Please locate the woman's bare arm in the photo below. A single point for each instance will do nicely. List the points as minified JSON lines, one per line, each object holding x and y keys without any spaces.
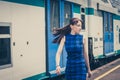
{"x":58,"y":54}
{"x":86,"y":59}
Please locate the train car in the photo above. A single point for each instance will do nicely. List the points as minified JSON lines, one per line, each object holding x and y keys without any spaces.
{"x":22,"y":39}
{"x":103,"y":32}
{"x":26,"y":34}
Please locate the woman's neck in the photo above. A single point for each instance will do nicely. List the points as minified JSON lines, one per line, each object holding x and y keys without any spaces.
{"x":72,"y":32}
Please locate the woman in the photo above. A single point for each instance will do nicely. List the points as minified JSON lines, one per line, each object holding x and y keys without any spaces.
{"x":77,"y":59}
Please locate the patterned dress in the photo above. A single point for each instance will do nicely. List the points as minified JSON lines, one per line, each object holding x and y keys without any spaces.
{"x":76,"y":67}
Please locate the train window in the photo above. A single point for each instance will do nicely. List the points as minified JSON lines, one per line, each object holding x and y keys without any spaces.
{"x":82,"y":10}
{"x":4,"y":30}
{"x":5,"y":57}
{"x":5,"y":49}
{"x":67,"y":13}
{"x":83,"y":19}
{"x":54,"y":14}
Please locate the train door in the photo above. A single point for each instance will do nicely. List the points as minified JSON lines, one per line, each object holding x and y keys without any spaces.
{"x":58,"y":13}
{"x":108,"y":32}
{"x":52,"y":21}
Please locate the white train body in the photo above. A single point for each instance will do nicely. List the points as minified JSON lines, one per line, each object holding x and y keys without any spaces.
{"x":27,"y":35}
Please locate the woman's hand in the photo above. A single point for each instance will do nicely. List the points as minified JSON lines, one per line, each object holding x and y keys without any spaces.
{"x":58,"y":70}
{"x":89,"y":73}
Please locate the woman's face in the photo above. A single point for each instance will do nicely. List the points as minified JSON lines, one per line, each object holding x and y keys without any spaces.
{"x":77,"y":27}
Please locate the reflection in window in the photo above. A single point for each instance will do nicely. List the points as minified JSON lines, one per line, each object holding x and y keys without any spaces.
{"x":54,"y":14}
{"x":67,"y":13}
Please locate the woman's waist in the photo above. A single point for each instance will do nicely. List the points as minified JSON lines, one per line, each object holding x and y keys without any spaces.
{"x":75,"y":61}
{"x":74,"y":54}
{"x":75,"y":58}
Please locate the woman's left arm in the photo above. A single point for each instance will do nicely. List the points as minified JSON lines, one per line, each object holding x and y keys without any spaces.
{"x":86,"y":58}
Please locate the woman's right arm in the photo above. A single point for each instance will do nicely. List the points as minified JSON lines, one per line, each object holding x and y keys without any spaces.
{"x":59,"y":51}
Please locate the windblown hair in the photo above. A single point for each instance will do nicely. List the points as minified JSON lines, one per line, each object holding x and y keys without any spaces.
{"x":61,"y":32}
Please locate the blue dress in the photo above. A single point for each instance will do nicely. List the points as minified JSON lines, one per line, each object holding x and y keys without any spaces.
{"x":76,"y":67}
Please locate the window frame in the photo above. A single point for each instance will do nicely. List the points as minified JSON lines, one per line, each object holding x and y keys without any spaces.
{"x":6,"y":36}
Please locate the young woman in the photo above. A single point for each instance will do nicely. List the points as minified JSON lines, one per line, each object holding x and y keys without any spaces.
{"x":77,"y":59}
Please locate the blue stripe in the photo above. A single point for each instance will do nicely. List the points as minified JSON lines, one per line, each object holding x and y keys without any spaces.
{"x":37,"y":77}
{"x":89,"y":11}
{"x":39,"y":3}
{"x":117,"y":17}
{"x":76,"y":8}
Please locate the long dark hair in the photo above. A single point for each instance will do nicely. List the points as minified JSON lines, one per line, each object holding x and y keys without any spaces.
{"x":60,"y":32}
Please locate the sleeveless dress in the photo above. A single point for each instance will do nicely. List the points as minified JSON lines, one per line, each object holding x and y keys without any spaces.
{"x":75,"y":67}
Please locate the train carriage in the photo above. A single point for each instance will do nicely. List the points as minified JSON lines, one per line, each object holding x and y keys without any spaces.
{"x":27,"y":27}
